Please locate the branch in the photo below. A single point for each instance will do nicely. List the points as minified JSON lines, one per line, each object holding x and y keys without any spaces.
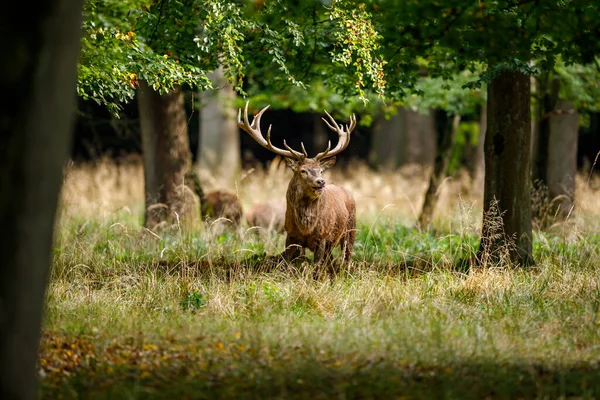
{"x":517,"y":3}
{"x":314,"y":52}
{"x":160,"y":14}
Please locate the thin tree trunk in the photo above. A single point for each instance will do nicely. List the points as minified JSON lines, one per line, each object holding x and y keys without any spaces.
{"x":549,"y":96}
{"x":219,"y":145}
{"x":41,"y":46}
{"x":478,"y":162}
{"x":167,"y":157}
{"x":507,"y":226}
{"x":446,"y":133}
{"x":562,"y":159}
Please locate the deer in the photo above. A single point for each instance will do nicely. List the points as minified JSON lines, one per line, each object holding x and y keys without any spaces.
{"x":268,"y":215}
{"x":218,"y":204}
{"x":319,"y":216}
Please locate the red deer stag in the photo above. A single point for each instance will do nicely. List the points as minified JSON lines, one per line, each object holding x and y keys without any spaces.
{"x":318,"y":216}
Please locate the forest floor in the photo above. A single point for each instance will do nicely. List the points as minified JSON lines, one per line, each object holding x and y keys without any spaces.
{"x":193,"y":313}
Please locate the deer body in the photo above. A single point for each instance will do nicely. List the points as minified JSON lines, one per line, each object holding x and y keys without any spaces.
{"x":319,"y":216}
{"x":320,"y":224}
{"x":267,"y":215}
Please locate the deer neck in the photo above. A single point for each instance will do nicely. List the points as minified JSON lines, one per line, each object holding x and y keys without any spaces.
{"x":305,"y":207}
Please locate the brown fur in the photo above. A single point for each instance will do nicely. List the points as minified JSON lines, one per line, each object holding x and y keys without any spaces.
{"x":267,"y":215}
{"x":318,"y":220}
{"x":217,"y":204}
{"x":222,"y":204}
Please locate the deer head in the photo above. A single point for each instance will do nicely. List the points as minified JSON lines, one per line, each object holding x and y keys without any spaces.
{"x":308,"y":172}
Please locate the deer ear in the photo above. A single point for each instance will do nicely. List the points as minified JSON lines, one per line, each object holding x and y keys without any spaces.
{"x":328,"y":163}
{"x":292,"y":163}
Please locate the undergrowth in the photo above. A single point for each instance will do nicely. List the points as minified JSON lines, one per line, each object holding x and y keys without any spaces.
{"x":192,"y":313}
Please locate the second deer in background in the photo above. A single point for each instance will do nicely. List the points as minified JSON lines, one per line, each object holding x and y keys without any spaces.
{"x":319,"y":216}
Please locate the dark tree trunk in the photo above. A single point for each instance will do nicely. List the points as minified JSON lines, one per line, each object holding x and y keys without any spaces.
{"x":167,"y":157}
{"x":446,"y":134}
{"x":40,"y":47}
{"x":562,"y":159}
{"x":507,"y":226}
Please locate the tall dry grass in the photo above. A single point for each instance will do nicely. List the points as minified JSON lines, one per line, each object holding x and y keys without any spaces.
{"x":99,"y":189}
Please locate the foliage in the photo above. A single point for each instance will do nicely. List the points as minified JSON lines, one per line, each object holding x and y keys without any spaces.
{"x":172,"y":42}
{"x":114,"y":56}
{"x":330,"y":55}
{"x":448,"y":94}
{"x":455,"y":35}
{"x":580,"y":84}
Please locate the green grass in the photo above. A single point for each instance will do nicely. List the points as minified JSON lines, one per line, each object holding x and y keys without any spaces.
{"x":194,"y":315}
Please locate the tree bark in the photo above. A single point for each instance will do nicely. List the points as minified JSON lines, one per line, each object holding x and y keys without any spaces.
{"x":219,"y":146}
{"x":41,"y":46}
{"x":446,"y":134}
{"x":562,"y":159}
{"x":167,"y":157}
{"x":507,"y":226}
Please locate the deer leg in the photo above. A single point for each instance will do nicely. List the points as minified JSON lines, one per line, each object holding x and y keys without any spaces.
{"x":348,"y":246}
{"x":322,"y":257}
{"x":320,"y":251}
{"x":293,"y":249}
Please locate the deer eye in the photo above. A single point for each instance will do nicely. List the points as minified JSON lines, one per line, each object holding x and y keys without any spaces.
{"x":303,"y":171}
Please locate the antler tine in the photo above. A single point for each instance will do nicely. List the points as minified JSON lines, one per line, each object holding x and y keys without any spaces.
{"x":253,"y":130}
{"x":332,"y":120}
{"x":352,"y":124}
{"x":303,"y":149}
{"x":295,"y":153}
{"x":343,"y":136}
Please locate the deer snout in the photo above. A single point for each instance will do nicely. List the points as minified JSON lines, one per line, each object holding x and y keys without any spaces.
{"x":321,"y":182}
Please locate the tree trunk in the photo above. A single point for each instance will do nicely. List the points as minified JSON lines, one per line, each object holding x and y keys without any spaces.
{"x":38,"y":81}
{"x":507,"y":226}
{"x":446,"y":133}
{"x":387,"y":135}
{"x":219,"y":145}
{"x":548,"y":91}
{"x":167,"y":157}
{"x":562,"y":159}
{"x":477,"y":167}
{"x":419,"y":144}
{"x":408,"y":137}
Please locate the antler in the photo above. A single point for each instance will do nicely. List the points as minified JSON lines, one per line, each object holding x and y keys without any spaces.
{"x":254,"y":131}
{"x":344,"y":136}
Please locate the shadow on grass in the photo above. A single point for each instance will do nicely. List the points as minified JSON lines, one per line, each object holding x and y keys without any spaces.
{"x":307,"y":378}
{"x":263,"y":263}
